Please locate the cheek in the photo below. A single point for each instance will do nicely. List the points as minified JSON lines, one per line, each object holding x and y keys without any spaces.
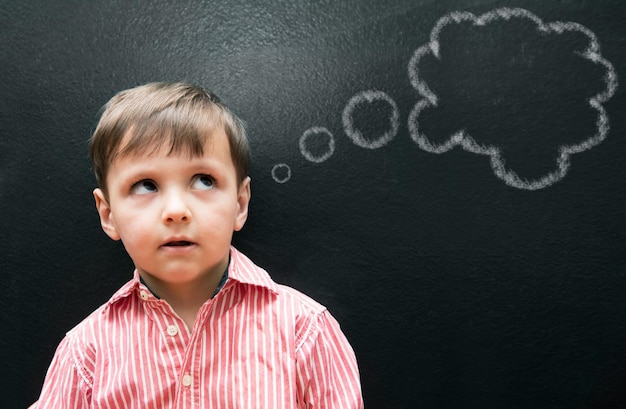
{"x":132,"y":229}
{"x":215,"y":220}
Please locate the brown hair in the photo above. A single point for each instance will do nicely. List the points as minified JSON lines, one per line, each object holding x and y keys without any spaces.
{"x":178,"y":114}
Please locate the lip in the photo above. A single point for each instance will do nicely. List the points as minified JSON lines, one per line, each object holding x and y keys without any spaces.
{"x":178,"y":245}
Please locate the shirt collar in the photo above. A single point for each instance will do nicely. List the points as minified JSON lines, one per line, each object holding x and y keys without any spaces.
{"x":240,"y":269}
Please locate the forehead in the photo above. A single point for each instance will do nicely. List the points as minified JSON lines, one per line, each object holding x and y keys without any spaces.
{"x":142,"y":140}
{"x":213,"y":148}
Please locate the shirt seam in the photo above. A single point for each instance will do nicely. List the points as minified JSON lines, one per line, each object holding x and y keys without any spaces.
{"x":81,"y":369}
{"x":310,"y":331}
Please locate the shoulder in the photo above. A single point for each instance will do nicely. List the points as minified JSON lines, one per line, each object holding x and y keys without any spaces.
{"x":300,"y":301}
{"x":89,"y":332}
{"x":305,"y":313}
{"x":310,"y":317}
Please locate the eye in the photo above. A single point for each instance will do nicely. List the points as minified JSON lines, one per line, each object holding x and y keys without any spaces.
{"x":202,"y":182}
{"x":143,"y":187}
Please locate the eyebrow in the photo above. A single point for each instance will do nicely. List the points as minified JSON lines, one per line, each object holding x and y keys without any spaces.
{"x":194,"y":165}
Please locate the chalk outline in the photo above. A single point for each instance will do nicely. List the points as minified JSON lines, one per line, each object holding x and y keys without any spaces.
{"x":463,"y":139}
{"x":310,"y":132}
{"x":370,"y":96}
{"x":281,"y":166}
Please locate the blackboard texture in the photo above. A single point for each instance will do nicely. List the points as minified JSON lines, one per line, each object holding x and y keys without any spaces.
{"x":448,"y":177}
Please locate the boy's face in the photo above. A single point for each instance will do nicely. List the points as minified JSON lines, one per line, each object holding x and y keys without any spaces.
{"x":175,"y":215}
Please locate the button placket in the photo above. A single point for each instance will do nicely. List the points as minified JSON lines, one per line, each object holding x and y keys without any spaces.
{"x":144,"y":295}
{"x":172,"y":330}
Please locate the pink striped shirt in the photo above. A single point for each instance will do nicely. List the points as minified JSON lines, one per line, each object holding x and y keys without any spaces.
{"x":256,"y":344}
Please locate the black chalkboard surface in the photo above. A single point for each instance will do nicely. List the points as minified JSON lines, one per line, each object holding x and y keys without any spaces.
{"x":447,"y":177}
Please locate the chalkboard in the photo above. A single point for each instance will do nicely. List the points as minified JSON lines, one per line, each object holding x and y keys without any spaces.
{"x":447,"y":177}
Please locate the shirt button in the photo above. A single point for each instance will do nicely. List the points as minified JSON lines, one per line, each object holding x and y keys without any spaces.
{"x":187,"y":379}
{"x":172,"y":330}
{"x":144,"y":295}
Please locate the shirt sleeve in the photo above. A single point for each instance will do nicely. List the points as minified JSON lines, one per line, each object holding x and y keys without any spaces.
{"x":67,"y":384}
{"x":327,"y":371}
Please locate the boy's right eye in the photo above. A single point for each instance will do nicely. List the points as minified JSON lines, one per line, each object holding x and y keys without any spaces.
{"x":143,"y":187}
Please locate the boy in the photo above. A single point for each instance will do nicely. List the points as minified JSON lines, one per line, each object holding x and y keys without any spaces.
{"x":199,"y":325}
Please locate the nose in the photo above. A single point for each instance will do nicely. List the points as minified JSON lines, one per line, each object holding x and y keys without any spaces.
{"x":175,"y":208}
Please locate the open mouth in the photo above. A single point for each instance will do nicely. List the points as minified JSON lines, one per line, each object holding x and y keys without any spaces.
{"x":181,"y":243}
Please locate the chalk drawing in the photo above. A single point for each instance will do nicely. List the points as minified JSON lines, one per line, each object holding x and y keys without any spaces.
{"x":468,"y":142}
{"x":310,"y":141}
{"x":370,"y":97}
{"x":281,"y":173}
{"x":310,"y":138}
{"x":306,"y":146}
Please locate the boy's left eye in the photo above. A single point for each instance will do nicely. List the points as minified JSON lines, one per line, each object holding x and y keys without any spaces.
{"x":202,"y":182}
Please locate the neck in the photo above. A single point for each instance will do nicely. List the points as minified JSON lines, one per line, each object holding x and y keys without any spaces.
{"x":185,"y":298}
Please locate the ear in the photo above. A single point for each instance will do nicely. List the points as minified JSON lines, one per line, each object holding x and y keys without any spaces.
{"x":243,"y":199}
{"x":106,"y":216}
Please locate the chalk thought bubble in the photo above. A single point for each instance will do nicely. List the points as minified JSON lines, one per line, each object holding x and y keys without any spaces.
{"x":317,"y":144}
{"x":281,"y":173}
{"x":481,"y":78}
{"x":364,"y":100}
{"x":464,"y":46}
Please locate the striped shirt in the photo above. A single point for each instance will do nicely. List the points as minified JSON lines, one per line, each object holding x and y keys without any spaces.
{"x":256,"y":344}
